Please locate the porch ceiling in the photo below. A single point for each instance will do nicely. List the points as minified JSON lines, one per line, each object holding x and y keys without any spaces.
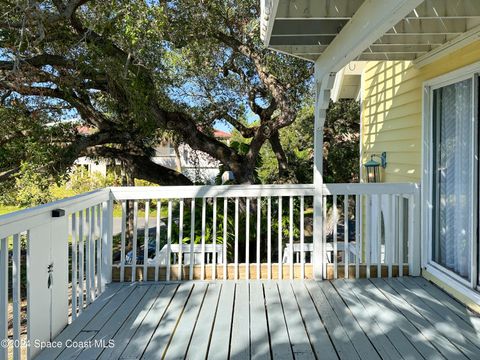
{"x":305,"y":28}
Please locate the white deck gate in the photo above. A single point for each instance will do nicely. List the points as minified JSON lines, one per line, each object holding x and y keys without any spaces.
{"x":73,"y":247}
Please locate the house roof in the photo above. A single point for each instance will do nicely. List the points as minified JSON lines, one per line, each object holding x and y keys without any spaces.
{"x":306,"y":28}
{"x":219,"y":134}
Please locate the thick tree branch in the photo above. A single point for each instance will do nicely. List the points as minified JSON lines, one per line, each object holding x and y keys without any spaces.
{"x":141,"y":166}
{"x":279,"y":154}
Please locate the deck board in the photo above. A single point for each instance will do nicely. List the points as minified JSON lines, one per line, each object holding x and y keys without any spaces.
{"x":280,"y":343}
{"x":130,"y":326}
{"x":113,"y":325}
{"x":301,"y":347}
{"x":417,"y":339}
{"x":384,"y":346}
{"x":358,"y":338}
{"x":140,"y":339}
{"x":316,"y":331}
{"x":166,"y":327}
{"x":443,"y":344}
{"x":203,"y":329}
{"x":220,"y":340}
{"x":343,"y":319}
{"x":442,"y":323}
{"x":240,"y":338}
{"x":259,"y":338}
{"x":338,"y":334}
{"x":181,"y":338}
{"x":387,"y":325}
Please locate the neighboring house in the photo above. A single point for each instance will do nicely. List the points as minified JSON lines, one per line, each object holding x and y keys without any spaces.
{"x":196,"y":165}
{"x":414,"y":65}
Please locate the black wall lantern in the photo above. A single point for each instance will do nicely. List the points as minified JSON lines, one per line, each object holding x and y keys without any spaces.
{"x":373,"y":167}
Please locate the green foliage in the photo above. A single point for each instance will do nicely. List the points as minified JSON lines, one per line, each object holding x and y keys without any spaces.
{"x":81,"y":181}
{"x":342,"y":142}
{"x":341,"y":146}
{"x":30,"y":189}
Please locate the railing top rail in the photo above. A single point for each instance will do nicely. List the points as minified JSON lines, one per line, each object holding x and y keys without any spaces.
{"x":370,"y":189}
{"x":179,"y":192}
{"x":232,"y":191}
{"x":24,"y":220}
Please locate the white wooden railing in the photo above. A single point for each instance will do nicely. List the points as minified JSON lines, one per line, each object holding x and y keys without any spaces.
{"x":64,"y":266}
{"x":72,"y":248}
{"x":369,"y":230}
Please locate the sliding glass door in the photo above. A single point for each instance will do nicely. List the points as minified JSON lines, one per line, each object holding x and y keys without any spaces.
{"x":454,"y":177}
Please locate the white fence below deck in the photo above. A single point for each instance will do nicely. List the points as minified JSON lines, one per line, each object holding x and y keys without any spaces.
{"x":56,"y":259}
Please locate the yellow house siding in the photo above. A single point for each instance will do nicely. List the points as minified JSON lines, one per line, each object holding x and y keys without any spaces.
{"x":392,"y":106}
{"x":392,"y":110}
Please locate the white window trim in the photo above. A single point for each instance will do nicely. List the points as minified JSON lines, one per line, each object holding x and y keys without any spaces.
{"x":448,"y":277}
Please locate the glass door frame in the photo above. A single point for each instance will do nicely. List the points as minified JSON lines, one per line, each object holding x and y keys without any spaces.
{"x":428,"y":201}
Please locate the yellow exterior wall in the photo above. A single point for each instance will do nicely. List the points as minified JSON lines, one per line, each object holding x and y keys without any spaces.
{"x":392,"y":105}
{"x":392,"y":110}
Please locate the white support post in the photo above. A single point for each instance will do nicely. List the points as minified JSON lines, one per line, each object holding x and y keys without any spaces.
{"x":107,"y":243}
{"x":324,"y":85}
{"x":414,"y":238}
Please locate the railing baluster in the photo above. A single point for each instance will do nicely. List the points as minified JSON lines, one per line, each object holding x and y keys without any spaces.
{"x":91,"y":241}
{"x":134,"y":245}
{"x":346,"y":243}
{"x":259,"y":228}
{"x":214,"y":240}
{"x":368,"y":233}
{"x":280,"y":239}
{"x":74,"y":266}
{"x":236,"y":239}
{"x":335,"y":240}
{"x":123,"y":241}
{"x":269,"y":238}
{"x":157,"y":238}
{"x":204,"y":223}
{"x":99,"y":252}
{"x":169,"y":239}
{"x":290,"y":233}
{"x":106,"y":243}
{"x":324,"y":236}
{"x":247,"y":241}
{"x":16,"y":303}
{"x":192,"y":239}
{"x":401,"y":236}
{"x":88,"y":258}
{"x":180,"y":240}
{"x":391,"y":234}
{"x":146,"y":240}
{"x":225,"y":224}
{"x":302,"y":237}
{"x":4,"y":296}
{"x":81,"y":261}
{"x":379,"y":236}
{"x":358,"y":241}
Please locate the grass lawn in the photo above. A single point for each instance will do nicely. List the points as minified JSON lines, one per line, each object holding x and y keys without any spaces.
{"x":8,"y":209}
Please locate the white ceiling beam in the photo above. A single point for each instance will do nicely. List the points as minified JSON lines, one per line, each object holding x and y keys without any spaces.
{"x":345,"y":9}
{"x":374,"y":48}
{"x":372,"y":20}
{"x":317,"y":8}
{"x":331,"y":27}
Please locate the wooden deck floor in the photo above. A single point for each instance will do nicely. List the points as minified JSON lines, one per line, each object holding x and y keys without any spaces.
{"x":404,"y":318}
